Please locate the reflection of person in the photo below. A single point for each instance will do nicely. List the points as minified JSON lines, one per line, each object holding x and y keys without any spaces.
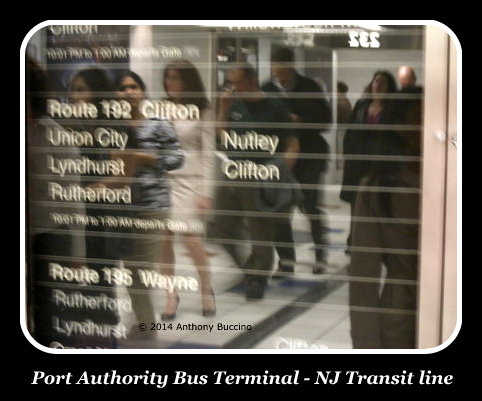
{"x":91,"y":85}
{"x":382,"y":311}
{"x":343,"y":106}
{"x":191,"y":184}
{"x":48,"y":241}
{"x":293,"y":88}
{"x":371,"y":110}
{"x":253,"y":120}
{"x":343,"y":113}
{"x":158,"y":152}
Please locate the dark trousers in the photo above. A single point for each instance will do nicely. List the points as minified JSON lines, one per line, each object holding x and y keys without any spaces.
{"x":306,"y":172}
{"x":44,"y":313}
{"x":383,"y":309}
{"x":260,"y":230}
{"x":40,"y":306}
{"x":285,"y":242}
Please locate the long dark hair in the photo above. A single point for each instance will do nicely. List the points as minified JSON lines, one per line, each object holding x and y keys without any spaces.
{"x":98,"y":82}
{"x":391,"y":84}
{"x":128,"y":73}
{"x":194,"y":92}
{"x":96,"y":79}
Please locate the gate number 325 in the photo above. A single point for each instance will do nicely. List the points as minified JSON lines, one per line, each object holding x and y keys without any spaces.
{"x":364,"y":39}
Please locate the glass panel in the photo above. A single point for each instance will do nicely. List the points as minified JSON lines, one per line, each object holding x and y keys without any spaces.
{"x":224,"y":187}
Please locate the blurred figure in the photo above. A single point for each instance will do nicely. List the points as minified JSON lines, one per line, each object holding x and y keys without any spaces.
{"x":159,"y":152}
{"x":383,"y":310}
{"x":92,"y":85}
{"x":410,"y":112}
{"x":286,"y":83}
{"x":44,"y":236}
{"x":406,"y":77}
{"x":374,"y":108}
{"x":89,"y":85}
{"x":343,"y":106}
{"x":343,"y":114}
{"x":244,"y":111}
{"x":191,"y":187}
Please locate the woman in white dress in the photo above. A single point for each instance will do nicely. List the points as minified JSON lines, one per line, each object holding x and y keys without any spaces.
{"x":191,"y":190}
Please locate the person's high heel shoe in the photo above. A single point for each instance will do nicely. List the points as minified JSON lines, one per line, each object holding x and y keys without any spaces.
{"x":210,"y":311}
{"x":171,"y":315}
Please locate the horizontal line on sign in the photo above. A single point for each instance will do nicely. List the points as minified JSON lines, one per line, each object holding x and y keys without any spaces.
{"x":224,"y":241}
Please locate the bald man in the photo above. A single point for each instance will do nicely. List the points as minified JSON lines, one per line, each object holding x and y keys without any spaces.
{"x":406,"y":77}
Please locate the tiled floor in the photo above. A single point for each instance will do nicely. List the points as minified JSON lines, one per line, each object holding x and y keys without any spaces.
{"x":305,"y":311}
{"x":325,"y":325}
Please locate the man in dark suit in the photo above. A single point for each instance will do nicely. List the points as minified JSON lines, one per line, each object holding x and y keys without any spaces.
{"x":307,"y":106}
{"x":245,"y":113}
